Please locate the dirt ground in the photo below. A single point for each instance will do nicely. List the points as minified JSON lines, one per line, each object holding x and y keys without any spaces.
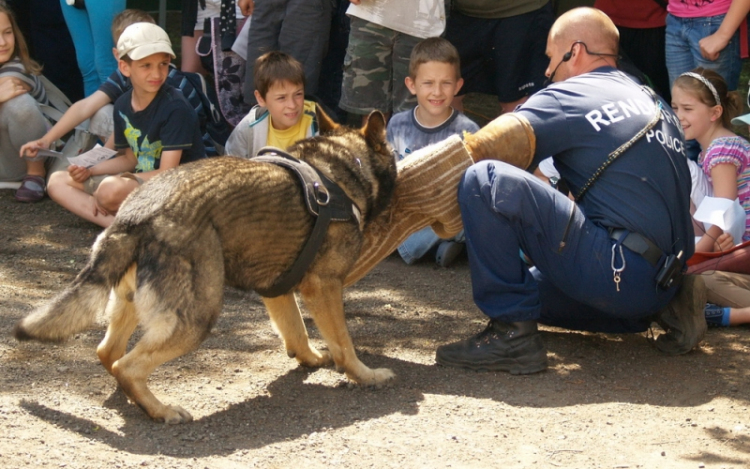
{"x":607,"y":401}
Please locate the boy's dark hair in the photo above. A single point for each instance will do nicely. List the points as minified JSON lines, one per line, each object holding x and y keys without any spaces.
{"x":274,"y":67}
{"x":434,"y":49}
{"x":127,"y":17}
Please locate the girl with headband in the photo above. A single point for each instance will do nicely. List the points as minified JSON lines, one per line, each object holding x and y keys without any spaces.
{"x":705,"y":109}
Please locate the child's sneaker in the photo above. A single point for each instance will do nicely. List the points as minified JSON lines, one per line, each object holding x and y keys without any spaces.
{"x":716,"y":315}
{"x":447,"y":253}
{"x":31,"y":190}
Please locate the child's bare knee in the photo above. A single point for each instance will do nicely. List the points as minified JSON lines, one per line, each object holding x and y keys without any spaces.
{"x":58,"y":182}
{"x":112,"y":191}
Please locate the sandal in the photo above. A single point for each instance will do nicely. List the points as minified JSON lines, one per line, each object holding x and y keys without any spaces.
{"x":31,"y":190}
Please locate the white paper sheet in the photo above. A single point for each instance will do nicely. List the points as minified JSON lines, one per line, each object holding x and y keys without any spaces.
{"x":92,"y":157}
{"x":724,"y":213}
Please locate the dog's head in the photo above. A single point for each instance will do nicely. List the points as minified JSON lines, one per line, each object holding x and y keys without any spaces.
{"x":360,"y":161}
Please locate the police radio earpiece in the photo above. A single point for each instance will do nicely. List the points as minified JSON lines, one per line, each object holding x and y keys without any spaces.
{"x":568,"y":55}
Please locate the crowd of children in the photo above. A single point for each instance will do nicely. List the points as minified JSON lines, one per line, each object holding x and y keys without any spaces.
{"x":152,"y":114}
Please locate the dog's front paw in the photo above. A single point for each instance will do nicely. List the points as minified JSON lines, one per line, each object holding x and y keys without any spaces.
{"x":172,"y":415}
{"x":376,"y":377}
{"x":314,"y":358}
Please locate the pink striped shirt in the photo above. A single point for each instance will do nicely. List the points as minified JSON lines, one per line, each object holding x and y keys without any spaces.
{"x":736,"y":151}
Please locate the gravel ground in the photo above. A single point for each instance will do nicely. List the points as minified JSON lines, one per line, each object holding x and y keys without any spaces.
{"x":607,"y":401}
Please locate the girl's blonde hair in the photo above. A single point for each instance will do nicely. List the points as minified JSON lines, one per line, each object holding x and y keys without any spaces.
{"x":730,"y":101}
{"x":20,"y":50}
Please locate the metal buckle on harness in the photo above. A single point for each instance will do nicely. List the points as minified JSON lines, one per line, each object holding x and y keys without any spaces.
{"x":321,"y":190}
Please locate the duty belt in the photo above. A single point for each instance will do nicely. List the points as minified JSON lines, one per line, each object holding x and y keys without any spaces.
{"x":638,"y":244}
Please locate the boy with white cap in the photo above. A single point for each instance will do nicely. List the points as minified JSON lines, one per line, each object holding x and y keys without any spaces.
{"x":155,"y":129}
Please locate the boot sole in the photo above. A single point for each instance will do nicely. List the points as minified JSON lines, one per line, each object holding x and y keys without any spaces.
{"x":515,"y":366}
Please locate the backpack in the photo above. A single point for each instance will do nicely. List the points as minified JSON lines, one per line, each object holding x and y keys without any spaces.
{"x":202,"y":99}
{"x":228,"y":69}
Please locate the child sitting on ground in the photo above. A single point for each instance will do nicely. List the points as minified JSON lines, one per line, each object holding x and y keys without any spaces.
{"x":155,"y":129}
{"x":96,"y":106}
{"x":705,"y":109}
{"x":21,"y":92}
{"x":282,"y":115}
{"x":435,"y":78}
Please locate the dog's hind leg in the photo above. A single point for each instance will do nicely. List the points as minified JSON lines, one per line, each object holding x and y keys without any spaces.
{"x":287,"y":321}
{"x":324,"y":300}
{"x":132,"y":372}
{"x":177,"y":300}
{"x":174,"y":323}
{"x":122,"y":323}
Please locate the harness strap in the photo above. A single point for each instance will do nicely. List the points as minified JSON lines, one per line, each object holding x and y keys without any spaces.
{"x":324,"y":199}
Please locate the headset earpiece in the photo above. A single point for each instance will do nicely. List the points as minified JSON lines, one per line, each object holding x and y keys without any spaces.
{"x":567,"y":56}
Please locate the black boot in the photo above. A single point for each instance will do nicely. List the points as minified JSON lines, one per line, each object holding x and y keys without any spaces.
{"x":516,"y":347}
{"x":683,"y":319}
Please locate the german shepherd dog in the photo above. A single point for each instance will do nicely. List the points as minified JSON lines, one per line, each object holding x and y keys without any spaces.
{"x":183,"y":235}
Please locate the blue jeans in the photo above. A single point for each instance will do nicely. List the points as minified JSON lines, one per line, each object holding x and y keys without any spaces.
{"x":91,"y":30}
{"x":505,"y":209}
{"x":683,"y":52}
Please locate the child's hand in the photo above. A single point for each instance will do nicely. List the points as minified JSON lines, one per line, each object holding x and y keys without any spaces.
{"x":724,"y":242}
{"x":78,"y":173}
{"x":99,"y":210}
{"x":10,"y":87}
{"x":246,"y":6}
{"x":30,"y":149}
{"x":712,"y":45}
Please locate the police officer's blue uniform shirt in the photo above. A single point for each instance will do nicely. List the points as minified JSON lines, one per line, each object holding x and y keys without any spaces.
{"x":647,"y":189}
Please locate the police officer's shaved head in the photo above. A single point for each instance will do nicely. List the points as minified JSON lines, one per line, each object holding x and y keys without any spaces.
{"x":588,"y":25}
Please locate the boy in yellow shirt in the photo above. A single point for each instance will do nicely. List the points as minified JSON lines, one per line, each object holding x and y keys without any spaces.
{"x":282,"y":115}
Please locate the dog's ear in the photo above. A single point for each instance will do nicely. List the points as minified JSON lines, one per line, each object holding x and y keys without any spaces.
{"x":325,"y":123}
{"x":374,"y":130}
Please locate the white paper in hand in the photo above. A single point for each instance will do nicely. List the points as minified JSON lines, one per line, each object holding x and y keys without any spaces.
{"x":92,"y":157}
{"x":724,"y":213}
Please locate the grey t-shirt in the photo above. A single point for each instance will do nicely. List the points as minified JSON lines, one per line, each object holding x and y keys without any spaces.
{"x":406,"y":134}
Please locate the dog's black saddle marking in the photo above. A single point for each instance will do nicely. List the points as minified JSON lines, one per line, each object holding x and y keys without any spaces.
{"x":324,"y":199}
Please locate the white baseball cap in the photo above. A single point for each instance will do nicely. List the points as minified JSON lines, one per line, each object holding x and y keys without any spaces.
{"x":140,"y":40}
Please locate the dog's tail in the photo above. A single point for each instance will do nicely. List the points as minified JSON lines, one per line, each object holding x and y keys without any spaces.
{"x":76,"y":308}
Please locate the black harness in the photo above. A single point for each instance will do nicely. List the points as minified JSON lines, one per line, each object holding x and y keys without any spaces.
{"x":324,"y":199}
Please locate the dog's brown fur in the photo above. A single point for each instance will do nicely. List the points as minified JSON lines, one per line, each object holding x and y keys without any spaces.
{"x":185,"y":234}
